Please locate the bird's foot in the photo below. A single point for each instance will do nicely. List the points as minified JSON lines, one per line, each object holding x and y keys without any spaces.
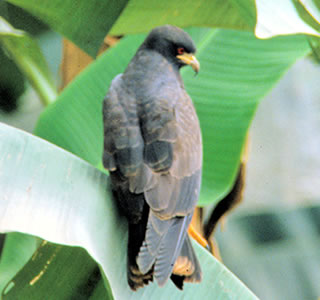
{"x":136,"y":279}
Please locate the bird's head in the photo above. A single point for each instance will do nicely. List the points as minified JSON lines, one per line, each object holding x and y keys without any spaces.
{"x":174,"y":44}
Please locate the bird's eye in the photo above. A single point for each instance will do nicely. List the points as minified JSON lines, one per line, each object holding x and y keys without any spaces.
{"x":180,"y":50}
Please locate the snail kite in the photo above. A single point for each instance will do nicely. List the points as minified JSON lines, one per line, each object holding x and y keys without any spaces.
{"x":153,"y":150}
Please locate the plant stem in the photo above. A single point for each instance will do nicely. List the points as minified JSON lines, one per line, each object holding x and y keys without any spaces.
{"x":40,"y":82}
{"x":28,"y":57}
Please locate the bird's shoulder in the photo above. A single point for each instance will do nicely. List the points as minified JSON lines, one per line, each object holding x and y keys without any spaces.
{"x":149,"y":73}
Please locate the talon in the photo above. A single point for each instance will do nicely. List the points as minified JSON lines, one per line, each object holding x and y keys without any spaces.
{"x":136,"y":279}
{"x":134,"y":270}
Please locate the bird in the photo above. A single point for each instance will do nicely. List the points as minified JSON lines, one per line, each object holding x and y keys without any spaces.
{"x":153,"y":151}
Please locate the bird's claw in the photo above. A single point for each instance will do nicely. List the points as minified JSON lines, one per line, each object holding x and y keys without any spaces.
{"x":136,"y":279}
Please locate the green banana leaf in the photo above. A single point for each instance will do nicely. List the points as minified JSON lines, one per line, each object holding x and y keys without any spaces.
{"x":86,"y":23}
{"x":237,"y":70}
{"x":28,"y":56}
{"x":141,"y":16}
{"x":287,"y":17}
{"x":52,"y":194}
{"x":57,"y":272}
{"x":247,"y":9}
{"x":17,"y":250}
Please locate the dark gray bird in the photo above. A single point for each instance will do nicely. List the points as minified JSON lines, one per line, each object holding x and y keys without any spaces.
{"x":153,"y":150}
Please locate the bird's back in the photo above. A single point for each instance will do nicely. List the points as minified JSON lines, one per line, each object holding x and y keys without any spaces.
{"x":153,"y":149}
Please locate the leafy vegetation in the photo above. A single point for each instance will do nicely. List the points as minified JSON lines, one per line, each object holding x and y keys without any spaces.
{"x":64,"y":198}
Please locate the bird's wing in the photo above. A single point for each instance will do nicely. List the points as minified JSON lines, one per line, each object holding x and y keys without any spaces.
{"x":123,"y":143}
{"x":173,"y":198}
{"x":177,"y":190}
{"x":158,"y":149}
{"x":159,"y":130}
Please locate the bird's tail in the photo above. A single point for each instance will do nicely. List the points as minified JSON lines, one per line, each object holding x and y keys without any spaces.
{"x":186,"y":267}
{"x":168,"y":249}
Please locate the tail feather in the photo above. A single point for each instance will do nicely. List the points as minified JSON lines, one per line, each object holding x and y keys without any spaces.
{"x":193,"y":274}
{"x":187,"y":267}
{"x":155,"y":233}
{"x":162,"y":245}
{"x":170,"y":249}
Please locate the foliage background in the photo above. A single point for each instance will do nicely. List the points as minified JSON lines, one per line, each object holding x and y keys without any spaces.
{"x":237,"y":71}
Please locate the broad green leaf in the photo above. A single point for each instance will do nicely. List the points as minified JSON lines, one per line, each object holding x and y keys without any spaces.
{"x":247,"y":10}
{"x":309,"y":12}
{"x":11,"y":78}
{"x":18,"y":249}
{"x":284,"y":17}
{"x":4,"y":10}
{"x":237,"y":70}
{"x":57,"y":272}
{"x":74,"y":121}
{"x":86,"y":23}
{"x":312,"y":7}
{"x":28,"y":57}
{"x":141,"y":16}
{"x":52,"y":194}
{"x":100,"y":293}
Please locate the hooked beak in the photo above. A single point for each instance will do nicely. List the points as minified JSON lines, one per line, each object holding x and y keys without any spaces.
{"x":190,"y":59}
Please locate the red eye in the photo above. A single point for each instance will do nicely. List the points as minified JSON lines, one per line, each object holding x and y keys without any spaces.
{"x":180,"y":51}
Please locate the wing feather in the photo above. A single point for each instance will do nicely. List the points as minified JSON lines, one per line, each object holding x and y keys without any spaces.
{"x":123,"y":143}
{"x":173,"y":198}
{"x":156,"y":144}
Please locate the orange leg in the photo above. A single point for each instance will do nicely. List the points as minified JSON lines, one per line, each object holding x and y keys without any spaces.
{"x":195,"y":235}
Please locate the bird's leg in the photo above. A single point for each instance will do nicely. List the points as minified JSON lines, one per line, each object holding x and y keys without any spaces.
{"x":198,"y":237}
{"x":195,"y":229}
